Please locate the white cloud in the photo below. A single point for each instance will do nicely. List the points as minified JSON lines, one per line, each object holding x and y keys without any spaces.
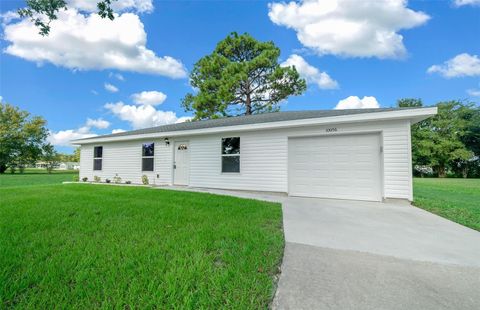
{"x":142,"y":116}
{"x":354,"y":102}
{"x":367,"y":28}
{"x":466,"y":2}
{"x":117,"y":76}
{"x":140,"y":6}
{"x":183,"y":119}
{"x":64,"y":137}
{"x":7,"y":17}
{"x":149,"y":98}
{"x":88,"y":42}
{"x":474,"y":92}
{"x":97,"y":123}
{"x":310,"y":73}
{"x":110,"y":87}
{"x":461,"y":65}
{"x":118,"y":130}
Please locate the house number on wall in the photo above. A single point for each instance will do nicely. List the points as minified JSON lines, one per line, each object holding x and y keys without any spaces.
{"x":333,"y":129}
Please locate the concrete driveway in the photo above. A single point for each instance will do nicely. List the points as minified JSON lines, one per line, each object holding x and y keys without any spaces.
{"x":365,"y":255}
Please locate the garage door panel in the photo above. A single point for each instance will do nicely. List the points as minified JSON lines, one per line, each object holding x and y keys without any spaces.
{"x":346,"y":167}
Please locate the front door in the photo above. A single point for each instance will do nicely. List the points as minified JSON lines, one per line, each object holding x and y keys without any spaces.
{"x":181,"y":164}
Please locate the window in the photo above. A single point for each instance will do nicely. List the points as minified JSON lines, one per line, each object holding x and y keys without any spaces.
{"x":97,"y":157}
{"x":148,"y":151}
{"x":231,"y":154}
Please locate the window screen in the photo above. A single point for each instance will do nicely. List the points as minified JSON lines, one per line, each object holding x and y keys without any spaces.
{"x":148,"y":151}
{"x":231,"y":154}
{"x":97,"y":157}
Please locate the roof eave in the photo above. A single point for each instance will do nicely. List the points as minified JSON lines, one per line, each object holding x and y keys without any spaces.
{"x":415,"y":115}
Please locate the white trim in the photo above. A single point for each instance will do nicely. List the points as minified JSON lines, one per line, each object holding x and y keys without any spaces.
{"x":410,"y":163}
{"x":417,"y":114}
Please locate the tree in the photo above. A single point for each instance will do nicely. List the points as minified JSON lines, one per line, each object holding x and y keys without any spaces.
{"x":43,"y":12}
{"x":241,"y":77}
{"x":438,"y":141}
{"x":50,"y":157}
{"x":76,"y":155}
{"x":21,"y":137}
{"x":410,"y":103}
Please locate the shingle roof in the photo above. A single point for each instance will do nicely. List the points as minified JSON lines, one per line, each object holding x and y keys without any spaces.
{"x":246,"y":120}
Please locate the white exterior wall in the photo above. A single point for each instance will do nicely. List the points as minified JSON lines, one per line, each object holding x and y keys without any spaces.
{"x":125,"y":158}
{"x":263,"y":158}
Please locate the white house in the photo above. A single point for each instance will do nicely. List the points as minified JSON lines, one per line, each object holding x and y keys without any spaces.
{"x":347,"y":154}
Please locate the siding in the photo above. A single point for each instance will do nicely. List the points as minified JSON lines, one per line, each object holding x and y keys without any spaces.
{"x":263,"y":158}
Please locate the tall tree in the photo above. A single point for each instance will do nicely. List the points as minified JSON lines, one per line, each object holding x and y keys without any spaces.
{"x":241,"y":77}
{"x":43,"y":12}
{"x":21,"y":137}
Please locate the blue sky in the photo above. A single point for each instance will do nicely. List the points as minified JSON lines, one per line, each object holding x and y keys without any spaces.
{"x":63,"y":78}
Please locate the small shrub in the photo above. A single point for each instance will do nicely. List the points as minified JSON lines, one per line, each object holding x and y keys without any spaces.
{"x":97,"y":179}
{"x":117,"y":179}
{"x":76,"y":178}
{"x":128,"y":182}
{"x":145,"y":180}
{"x":107,"y":181}
{"x":85,"y":179}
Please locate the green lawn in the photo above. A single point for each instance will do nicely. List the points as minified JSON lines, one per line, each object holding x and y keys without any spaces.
{"x":454,"y":199}
{"x":36,"y":177}
{"x":96,"y":246}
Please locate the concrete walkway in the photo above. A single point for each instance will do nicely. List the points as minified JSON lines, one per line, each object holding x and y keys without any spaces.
{"x":367,"y":255}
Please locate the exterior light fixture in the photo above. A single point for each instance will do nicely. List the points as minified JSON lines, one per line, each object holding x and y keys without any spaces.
{"x":167,"y":143}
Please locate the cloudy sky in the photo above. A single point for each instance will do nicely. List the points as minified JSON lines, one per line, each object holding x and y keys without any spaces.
{"x":93,"y":76}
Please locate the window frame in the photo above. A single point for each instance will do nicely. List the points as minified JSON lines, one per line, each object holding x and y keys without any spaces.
{"x":97,"y":158}
{"x":231,"y":155}
{"x":147,"y":157}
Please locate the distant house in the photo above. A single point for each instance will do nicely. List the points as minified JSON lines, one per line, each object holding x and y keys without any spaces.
{"x":69,"y":165}
{"x":362,"y":154}
{"x":60,"y":165}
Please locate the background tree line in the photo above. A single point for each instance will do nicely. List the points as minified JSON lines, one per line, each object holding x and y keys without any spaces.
{"x":449,"y":143}
{"x":23,"y":141}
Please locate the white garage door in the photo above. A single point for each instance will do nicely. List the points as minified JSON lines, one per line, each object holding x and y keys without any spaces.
{"x":343,"y":167}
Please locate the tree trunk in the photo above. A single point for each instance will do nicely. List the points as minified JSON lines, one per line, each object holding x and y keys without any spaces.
{"x":441,"y":171}
{"x":248,"y":105}
{"x":465,"y":172}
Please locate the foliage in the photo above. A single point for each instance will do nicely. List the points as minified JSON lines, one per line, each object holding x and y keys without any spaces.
{"x":43,"y":12}
{"x":145,"y":180}
{"x":97,"y":179}
{"x":51,"y":157}
{"x":455,"y":199}
{"x":22,"y":137}
{"x":72,"y":246}
{"x":128,"y":182}
{"x":448,"y":141}
{"x":117,"y":179}
{"x":84,"y":179}
{"x":75,"y":157}
{"x":241,"y":77}
{"x":76,"y":178}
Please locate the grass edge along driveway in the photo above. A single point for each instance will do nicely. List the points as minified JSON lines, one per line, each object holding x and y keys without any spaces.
{"x":455,"y":199}
{"x":80,"y":246}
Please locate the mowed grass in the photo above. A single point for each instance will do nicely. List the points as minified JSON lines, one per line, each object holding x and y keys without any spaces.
{"x":96,"y":246}
{"x":455,"y":199}
{"x":36,"y":177}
